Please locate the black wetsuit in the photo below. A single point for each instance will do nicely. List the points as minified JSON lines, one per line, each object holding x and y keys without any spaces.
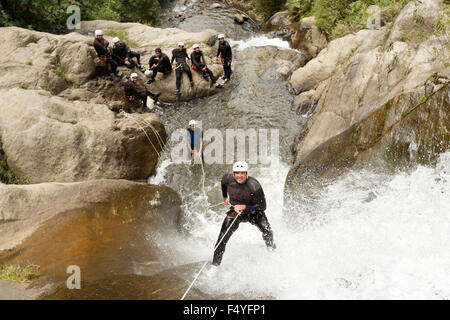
{"x":251,"y":194}
{"x":159,"y":64}
{"x":180,"y":57}
{"x":101,"y":47}
{"x":123,"y":51}
{"x":198,"y":60}
{"x":224,"y":51}
{"x":131,"y":91}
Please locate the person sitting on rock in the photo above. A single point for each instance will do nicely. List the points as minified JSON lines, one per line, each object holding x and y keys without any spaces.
{"x":159,"y":62}
{"x":226,"y":56}
{"x":101,"y":47}
{"x":132,"y":93}
{"x":123,"y":54}
{"x":179,"y":55}
{"x":199,"y":63}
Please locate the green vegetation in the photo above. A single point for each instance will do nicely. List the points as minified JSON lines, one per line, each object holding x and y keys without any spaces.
{"x":47,"y":15}
{"x":52,"y":92}
{"x":62,"y":74}
{"x":6,"y":174}
{"x":122,"y":35}
{"x":18,"y":273}
{"x":337,"y":18}
{"x":268,"y":7}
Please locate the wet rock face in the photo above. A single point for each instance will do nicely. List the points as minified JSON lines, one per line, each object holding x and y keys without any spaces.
{"x":106,"y":227}
{"x":374,"y":97}
{"x":48,"y":138}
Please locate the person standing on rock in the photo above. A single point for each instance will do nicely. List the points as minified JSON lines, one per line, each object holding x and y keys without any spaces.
{"x":246,"y":196}
{"x":123,"y":54}
{"x":194,"y":140}
{"x":101,"y":47}
{"x":226,"y":56}
{"x":132,"y":93}
{"x":179,"y":55}
{"x":199,"y":63}
{"x":159,"y":62}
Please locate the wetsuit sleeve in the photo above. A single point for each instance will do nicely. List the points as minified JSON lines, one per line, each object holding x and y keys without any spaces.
{"x":101,"y":50}
{"x":258,"y":200}
{"x":186,"y":55}
{"x":151,"y":61}
{"x":194,"y":60}
{"x":173,"y":56}
{"x":202,"y":59}
{"x":218,"y":51}
{"x":230,"y":54}
{"x":127,"y":50}
{"x":224,"y":184}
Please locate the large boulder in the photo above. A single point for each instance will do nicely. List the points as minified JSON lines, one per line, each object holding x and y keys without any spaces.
{"x":37,"y":60}
{"x":67,"y":65}
{"x":308,"y":38}
{"x":106,"y":227}
{"x":145,"y":39}
{"x":375,"y":96}
{"x":48,"y":138}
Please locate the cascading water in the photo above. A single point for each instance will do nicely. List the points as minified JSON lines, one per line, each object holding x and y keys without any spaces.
{"x":367,"y":235}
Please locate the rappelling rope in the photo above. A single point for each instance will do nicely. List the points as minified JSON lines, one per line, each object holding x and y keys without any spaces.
{"x":145,"y":132}
{"x":206,"y":262}
{"x":204,"y":176}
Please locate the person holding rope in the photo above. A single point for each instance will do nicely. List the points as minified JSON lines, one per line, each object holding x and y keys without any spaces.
{"x":248,"y":201}
{"x":179,"y":55}
{"x":132,"y":93}
{"x":194,"y":140}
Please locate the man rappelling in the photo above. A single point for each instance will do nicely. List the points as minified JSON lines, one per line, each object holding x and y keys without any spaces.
{"x":248,"y":201}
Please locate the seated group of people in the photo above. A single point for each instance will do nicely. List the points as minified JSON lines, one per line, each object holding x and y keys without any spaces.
{"x":121,"y":54}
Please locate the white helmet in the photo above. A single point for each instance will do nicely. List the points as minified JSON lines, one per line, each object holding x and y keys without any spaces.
{"x":192,"y":123}
{"x":195,"y":46}
{"x":240,"y":166}
{"x":148,"y":73}
{"x":133,"y":75}
{"x":220,"y":36}
{"x":115,"y":40}
{"x":98,"y":32}
{"x":180,"y":44}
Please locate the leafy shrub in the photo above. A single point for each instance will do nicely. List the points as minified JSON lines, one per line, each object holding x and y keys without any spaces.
{"x":269,"y":7}
{"x":300,"y":8}
{"x":328,"y":12}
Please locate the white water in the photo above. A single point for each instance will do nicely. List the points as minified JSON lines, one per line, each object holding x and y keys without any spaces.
{"x":369,"y":236}
{"x":259,"y":41}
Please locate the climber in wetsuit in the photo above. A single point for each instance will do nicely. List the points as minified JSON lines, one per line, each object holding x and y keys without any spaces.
{"x":245,"y":194}
{"x":226,"y":56}
{"x":123,"y":55}
{"x":199,"y":63}
{"x":132,"y":93}
{"x":179,"y":55}
{"x":159,"y":62}
{"x":101,"y":47}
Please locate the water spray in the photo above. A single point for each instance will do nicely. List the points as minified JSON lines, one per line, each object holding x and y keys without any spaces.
{"x":206,"y":262}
